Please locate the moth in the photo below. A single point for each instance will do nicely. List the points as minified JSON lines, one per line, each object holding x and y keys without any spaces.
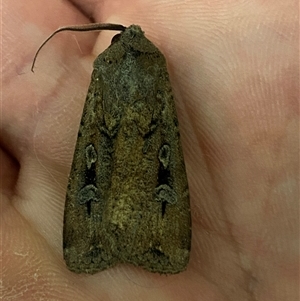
{"x":127,"y":198}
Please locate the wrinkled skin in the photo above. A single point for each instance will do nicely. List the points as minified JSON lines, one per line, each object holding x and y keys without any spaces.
{"x":234,"y":70}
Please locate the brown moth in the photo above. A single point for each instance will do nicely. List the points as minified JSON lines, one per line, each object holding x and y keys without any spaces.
{"x":127,"y":198}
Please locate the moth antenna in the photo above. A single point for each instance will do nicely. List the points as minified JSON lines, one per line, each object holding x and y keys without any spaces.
{"x":83,"y":27}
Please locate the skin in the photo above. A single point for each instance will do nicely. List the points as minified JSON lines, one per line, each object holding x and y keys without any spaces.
{"x":234,"y":71}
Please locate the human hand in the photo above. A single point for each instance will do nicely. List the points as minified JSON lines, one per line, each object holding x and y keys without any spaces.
{"x":234,"y":71}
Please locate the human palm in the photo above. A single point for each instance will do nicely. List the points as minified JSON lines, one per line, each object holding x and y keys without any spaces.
{"x":234,"y":72}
